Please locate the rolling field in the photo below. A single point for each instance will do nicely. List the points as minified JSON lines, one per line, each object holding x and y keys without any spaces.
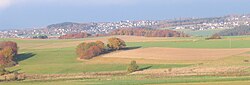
{"x":58,"y":57}
{"x":177,"y":53}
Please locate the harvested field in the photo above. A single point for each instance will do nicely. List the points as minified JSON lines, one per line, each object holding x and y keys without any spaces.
{"x":177,"y":53}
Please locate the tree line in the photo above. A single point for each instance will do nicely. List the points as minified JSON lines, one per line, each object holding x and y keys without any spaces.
{"x":92,"y":49}
{"x":75,"y":35}
{"x":240,"y":30}
{"x":148,"y":32}
{"x":130,"y":32}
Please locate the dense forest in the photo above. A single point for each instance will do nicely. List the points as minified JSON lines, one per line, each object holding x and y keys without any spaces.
{"x":148,"y":32}
{"x":240,"y":30}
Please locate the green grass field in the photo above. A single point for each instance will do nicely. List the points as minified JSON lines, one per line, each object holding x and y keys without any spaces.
{"x":36,"y":57}
{"x":141,"y":80}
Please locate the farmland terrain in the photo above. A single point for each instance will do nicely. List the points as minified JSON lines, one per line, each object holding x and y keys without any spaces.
{"x":169,"y":61}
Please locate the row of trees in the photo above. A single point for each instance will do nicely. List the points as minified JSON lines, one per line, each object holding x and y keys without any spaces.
{"x":129,"y":31}
{"x":8,"y":50}
{"x":92,"y":49}
{"x":148,"y":32}
{"x":75,"y":35}
{"x":241,"y":30}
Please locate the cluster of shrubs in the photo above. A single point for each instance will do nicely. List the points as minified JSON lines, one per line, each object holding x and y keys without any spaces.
{"x":214,"y":36}
{"x":8,"y":50}
{"x":12,"y":76}
{"x":92,"y":49}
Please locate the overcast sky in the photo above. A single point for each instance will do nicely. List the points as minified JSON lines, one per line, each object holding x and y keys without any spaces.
{"x":39,"y":13}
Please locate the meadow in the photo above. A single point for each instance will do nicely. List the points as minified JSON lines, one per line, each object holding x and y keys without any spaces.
{"x":58,"y":57}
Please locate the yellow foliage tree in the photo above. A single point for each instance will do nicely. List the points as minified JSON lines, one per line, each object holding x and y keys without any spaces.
{"x":8,"y":53}
{"x":100,"y":44}
{"x":116,"y":43}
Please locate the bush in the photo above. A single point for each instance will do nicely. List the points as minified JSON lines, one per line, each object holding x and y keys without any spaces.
{"x":215,"y":36}
{"x":132,"y":67}
{"x":10,"y":76}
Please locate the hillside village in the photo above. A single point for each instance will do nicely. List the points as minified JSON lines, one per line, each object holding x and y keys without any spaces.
{"x":56,"y":30}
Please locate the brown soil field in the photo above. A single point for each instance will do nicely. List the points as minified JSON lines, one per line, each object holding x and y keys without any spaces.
{"x":113,"y":60}
{"x":177,"y":53}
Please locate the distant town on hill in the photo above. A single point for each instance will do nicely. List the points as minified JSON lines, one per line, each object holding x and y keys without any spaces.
{"x":192,"y":24}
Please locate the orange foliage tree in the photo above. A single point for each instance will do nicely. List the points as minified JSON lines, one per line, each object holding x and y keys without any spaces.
{"x":89,"y":50}
{"x":10,"y":44}
{"x":116,"y":43}
{"x":100,"y":44}
{"x":8,"y":50}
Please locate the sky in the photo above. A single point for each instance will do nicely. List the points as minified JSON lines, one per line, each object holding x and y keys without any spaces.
{"x":16,"y":14}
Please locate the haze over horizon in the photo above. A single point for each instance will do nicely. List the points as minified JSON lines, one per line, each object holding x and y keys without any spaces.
{"x":39,"y":13}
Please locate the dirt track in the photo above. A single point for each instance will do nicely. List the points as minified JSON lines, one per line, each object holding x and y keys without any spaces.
{"x":177,"y":53}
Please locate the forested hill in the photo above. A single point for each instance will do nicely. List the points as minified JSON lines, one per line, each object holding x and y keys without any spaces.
{"x":240,"y":30}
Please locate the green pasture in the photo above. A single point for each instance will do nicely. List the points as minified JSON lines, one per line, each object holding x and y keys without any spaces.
{"x":143,"y":80}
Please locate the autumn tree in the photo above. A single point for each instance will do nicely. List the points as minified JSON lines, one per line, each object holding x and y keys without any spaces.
{"x":8,"y":53}
{"x":132,"y":67}
{"x":9,"y":44}
{"x":116,"y":43}
{"x":89,"y":50}
{"x":8,"y":50}
{"x":3,"y":60}
{"x":100,"y":44}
